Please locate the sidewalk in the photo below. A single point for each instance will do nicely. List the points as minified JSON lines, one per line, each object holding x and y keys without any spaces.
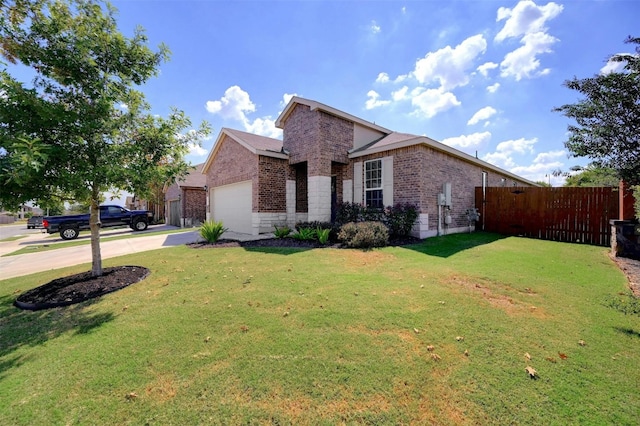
{"x":25,"y":264}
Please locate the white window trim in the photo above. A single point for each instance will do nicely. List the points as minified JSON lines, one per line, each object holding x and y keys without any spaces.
{"x":366,"y":181}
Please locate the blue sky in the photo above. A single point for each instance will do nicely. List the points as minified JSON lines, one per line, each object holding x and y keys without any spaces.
{"x":481,"y":76}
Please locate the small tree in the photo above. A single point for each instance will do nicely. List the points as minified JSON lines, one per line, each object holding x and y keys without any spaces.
{"x":81,"y":128}
{"x":607,"y":128}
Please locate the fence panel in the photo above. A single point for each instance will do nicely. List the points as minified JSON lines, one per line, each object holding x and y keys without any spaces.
{"x":559,"y":214}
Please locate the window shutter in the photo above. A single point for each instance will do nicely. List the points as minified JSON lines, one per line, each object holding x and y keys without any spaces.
{"x":357,"y":182}
{"x":387,"y":181}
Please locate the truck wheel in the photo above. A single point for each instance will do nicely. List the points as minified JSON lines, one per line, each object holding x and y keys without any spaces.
{"x":69,"y":233}
{"x":140,"y":225}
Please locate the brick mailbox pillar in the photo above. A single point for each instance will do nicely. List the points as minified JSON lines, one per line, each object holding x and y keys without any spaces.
{"x":625,"y":231}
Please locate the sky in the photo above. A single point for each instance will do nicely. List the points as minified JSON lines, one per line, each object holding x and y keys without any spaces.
{"x":481,"y":76}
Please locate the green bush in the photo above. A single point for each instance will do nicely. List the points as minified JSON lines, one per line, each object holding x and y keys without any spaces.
{"x":400,"y":219}
{"x":364,"y":234}
{"x":281,"y":232}
{"x":212,"y":231}
{"x":305,"y":234}
{"x":323,"y":235}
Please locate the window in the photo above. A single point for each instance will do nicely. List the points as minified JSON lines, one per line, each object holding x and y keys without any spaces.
{"x":373,"y":183}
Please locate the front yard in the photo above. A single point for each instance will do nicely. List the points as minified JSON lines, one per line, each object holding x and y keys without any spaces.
{"x":435,"y":333}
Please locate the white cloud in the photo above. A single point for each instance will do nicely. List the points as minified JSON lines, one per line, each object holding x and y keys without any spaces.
{"x":263,"y":126}
{"x":375,"y":28}
{"x":449,"y":66}
{"x":383,"y":77}
{"x":548,"y":157}
{"x":612,"y":66}
{"x":484,"y":68}
{"x":493,"y":88}
{"x":197,"y":150}
{"x":503,"y":156}
{"x":482,"y":115}
{"x":468,"y":141}
{"x":233,"y":105}
{"x":526,"y":18}
{"x":526,"y":21}
{"x":286,"y":98}
{"x":500,"y":159}
{"x":432,"y":101}
{"x":374,"y":101}
{"x":523,"y":61}
{"x":400,"y":95}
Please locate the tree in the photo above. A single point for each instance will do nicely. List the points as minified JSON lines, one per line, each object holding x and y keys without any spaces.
{"x":607,"y":128}
{"x":80,"y":128}
{"x":593,"y":175}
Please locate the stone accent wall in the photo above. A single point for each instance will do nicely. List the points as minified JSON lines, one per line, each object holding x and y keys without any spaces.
{"x":320,"y":198}
{"x":291,"y":203}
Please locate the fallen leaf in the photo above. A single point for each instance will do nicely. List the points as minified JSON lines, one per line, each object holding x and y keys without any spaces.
{"x":527,"y":356}
{"x":582,"y":343}
{"x":430,"y":348}
{"x":244,"y":328}
{"x":131,"y":396}
{"x":459,"y":338}
{"x":466,"y":352}
{"x":532,"y":372}
{"x":562,"y":356}
{"x":415,"y":330}
{"x":435,"y":357}
{"x":285,"y":314}
{"x":206,"y":339}
{"x":551,"y":359}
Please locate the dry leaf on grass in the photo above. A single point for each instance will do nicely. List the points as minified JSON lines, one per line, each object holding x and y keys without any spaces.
{"x":430,"y":348}
{"x":415,"y":330}
{"x":131,"y":396}
{"x":466,"y":352}
{"x":527,"y":356}
{"x":562,"y":356}
{"x":582,"y":343}
{"x":531,"y":371}
{"x":459,"y":338}
{"x":551,"y":359}
{"x":435,"y":357}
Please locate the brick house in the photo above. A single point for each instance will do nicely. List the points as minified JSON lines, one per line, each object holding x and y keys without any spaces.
{"x":327,"y":157}
{"x":185,"y":199}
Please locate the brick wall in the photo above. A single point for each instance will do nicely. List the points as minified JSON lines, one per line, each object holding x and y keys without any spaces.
{"x":317,"y":138}
{"x":272,"y":184}
{"x":194,"y":204}
{"x":419,"y":173}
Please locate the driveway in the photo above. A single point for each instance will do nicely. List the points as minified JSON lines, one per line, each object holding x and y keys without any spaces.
{"x":25,"y":264}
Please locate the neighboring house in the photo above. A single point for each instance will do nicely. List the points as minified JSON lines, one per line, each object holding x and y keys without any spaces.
{"x":185,"y":199}
{"x":327,"y":157}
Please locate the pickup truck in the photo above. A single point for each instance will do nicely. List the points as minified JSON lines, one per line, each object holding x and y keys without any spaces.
{"x":69,"y":227}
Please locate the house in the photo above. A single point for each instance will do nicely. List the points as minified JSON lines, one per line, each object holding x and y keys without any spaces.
{"x":184,"y":199}
{"x":328,"y":156}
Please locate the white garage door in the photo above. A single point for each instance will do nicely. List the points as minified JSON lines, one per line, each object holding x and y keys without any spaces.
{"x":232,"y":205}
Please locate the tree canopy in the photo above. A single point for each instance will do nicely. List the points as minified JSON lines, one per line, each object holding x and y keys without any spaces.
{"x":607,"y":128}
{"x":80,"y":126}
{"x":593,"y":175}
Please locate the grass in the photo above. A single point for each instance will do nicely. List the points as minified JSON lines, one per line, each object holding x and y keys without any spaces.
{"x":329,"y":336}
{"x":37,"y":248}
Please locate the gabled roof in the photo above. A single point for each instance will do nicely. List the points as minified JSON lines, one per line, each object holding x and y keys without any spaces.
{"x":329,"y":110}
{"x":397,"y":140}
{"x":194,"y":179}
{"x":259,"y":145}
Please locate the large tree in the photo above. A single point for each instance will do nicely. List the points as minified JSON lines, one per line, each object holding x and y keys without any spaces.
{"x":593,"y":175}
{"x":607,"y":128}
{"x":80,"y":126}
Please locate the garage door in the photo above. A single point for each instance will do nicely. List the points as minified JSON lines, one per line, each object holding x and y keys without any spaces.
{"x":232,"y":205}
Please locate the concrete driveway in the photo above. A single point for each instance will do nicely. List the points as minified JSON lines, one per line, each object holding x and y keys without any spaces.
{"x":25,"y":264}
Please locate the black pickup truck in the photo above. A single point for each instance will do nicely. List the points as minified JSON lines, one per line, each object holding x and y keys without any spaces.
{"x":69,"y":227}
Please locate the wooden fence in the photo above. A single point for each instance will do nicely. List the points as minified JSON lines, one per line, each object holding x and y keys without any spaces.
{"x":559,"y":214}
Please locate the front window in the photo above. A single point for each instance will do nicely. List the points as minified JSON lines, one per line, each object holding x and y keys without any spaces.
{"x":373,"y":183}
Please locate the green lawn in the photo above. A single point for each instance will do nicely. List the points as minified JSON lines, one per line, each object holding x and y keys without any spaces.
{"x":329,"y":336}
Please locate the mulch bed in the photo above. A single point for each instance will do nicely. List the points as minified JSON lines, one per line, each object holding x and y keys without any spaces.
{"x":80,"y":287}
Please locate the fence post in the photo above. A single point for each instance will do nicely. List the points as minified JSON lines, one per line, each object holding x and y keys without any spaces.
{"x":626,"y":209}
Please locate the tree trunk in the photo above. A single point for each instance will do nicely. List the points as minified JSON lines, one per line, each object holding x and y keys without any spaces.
{"x":94,"y":224}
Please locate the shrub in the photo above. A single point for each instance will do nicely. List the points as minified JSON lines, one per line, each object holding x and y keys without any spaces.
{"x":212,"y":231}
{"x":305,"y":234}
{"x":400,"y":219}
{"x":281,"y":232}
{"x":348,"y":212}
{"x":364,"y":234}
{"x":323,"y":235}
